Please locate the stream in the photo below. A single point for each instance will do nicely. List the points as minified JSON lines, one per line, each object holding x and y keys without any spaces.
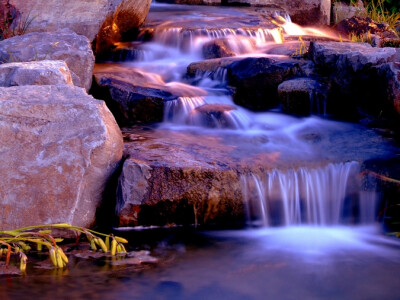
{"x":311,"y":225}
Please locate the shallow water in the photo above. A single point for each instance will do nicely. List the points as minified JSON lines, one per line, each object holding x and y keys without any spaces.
{"x":281,"y":263}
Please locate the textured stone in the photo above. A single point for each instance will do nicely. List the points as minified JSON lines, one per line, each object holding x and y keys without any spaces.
{"x":45,"y":72}
{"x":64,"y":45}
{"x":58,"y":148}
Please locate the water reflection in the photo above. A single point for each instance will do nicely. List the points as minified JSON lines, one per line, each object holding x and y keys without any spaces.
{"x":283,"y":263}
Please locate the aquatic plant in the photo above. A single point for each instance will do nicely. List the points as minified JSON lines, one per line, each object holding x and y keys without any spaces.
{"x":20,"y":242}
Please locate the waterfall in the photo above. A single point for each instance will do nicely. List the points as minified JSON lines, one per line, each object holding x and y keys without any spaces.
{"x":315,"y":196}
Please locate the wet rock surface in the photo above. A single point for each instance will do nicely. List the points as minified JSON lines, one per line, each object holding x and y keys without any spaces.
{"x":64,"y":45}
{"x":46,"y":72}
{"x":59,"y":147}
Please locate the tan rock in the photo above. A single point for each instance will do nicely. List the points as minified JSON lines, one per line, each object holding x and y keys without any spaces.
{"x":64,"y":45}
{"x":58,"y":148}
{"x":45,"y":72}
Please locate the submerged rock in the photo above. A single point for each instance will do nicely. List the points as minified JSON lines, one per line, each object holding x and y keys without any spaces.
{"x":59,"y":147}
{"x":45,"y":72}
{"x":217,"y":49}
{"x":64,"y":45}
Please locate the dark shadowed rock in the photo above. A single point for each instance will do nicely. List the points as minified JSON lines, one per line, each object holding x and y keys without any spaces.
{"x":64,"y":45}
{"x":256,"y":80}
{"x":59,"y":147}
{"x":45,"y":72}
{"x":303,"y":96}
{"x":134,"y":96}
{"x":358,"y":86}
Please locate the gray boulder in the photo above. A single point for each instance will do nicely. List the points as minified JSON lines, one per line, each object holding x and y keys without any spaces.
{"x":64,"y":45}
{"x":58,"y":148}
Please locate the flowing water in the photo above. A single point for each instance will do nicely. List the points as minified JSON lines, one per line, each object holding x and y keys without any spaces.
{"x":315,"y":235}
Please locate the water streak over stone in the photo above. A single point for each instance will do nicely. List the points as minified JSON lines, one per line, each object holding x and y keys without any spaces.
{"x":322,"y":196}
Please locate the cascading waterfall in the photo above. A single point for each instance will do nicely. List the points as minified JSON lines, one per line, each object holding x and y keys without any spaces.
{"x":314,"y":196}
{"x":328,"y":195}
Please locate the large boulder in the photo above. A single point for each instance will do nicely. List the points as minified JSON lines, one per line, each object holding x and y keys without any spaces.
{"x":83,"y":17}
{"x":64,"y":45}
{"x":45,"y":72}
{"x":359,"y":83}
{"x":59,"y":147}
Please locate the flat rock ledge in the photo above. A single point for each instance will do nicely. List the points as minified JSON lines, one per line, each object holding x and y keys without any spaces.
{"x":58,"y":148}
{"x":189,"y":178}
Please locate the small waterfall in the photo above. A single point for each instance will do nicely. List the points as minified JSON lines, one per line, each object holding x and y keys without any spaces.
{"x":240,"y":39}
{"x":322,"y":196}
{"x":177,"y":111}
